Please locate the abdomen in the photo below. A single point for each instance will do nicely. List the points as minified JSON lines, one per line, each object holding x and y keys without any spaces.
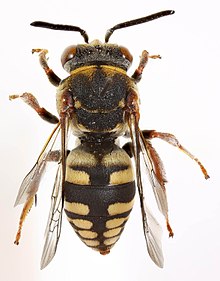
{"x":99,"y":195}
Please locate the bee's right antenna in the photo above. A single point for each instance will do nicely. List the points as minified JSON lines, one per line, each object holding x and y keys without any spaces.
{"x":137,"y":21}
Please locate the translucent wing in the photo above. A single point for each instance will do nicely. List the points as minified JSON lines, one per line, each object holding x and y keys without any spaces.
{"x":53,"y":228}
{"x":154,"y":234}
{"x":156,"y":175}
{"x":152,"y":230}
{"x":31,"y":182}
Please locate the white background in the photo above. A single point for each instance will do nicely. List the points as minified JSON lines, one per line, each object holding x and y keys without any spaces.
{"x":179,"y":94}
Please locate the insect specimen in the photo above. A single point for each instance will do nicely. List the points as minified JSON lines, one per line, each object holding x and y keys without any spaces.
{"x":95,"y":181}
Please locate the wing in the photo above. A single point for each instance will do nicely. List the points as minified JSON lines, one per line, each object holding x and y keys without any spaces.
{"x":152,"y":230}
{"x":156,"y":175}
{"x":53,"y":229}
{"x":31,"y":182}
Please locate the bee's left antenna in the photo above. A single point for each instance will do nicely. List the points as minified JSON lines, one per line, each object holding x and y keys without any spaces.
{"x":65,"y":27}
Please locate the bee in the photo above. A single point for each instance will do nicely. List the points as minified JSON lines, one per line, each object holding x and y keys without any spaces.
{"x":95,"y":181}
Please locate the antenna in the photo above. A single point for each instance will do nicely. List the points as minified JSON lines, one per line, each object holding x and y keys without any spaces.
{"x":137,"y":21}
{"x":48,"y":25}
{"x":109,"y":32}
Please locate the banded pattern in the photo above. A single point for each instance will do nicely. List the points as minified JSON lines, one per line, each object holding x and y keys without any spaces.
{"x":99,"y":188}
{"x":98,"y":213}
{"x":104,"y":164}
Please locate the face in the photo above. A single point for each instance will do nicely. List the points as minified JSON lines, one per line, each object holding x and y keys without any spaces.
{"x":96,"y":53}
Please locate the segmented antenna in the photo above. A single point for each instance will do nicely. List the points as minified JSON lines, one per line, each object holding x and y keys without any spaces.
{"x":109,"y":32}
{"x":137,"y":21}
{"x":61,"y":27}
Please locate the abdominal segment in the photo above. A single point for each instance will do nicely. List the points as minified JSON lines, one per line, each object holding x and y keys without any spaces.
{"x":98,"y":213}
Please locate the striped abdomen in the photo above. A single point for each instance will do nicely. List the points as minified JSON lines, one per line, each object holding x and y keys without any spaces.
{"x":99,"y":194}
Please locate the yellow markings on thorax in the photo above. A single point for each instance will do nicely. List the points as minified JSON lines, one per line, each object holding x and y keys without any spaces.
{"x":77,"y":208}
{"x":111,"y":70}
{"x":120,"y":208}
{"x":77,"y":104}
{"x":121,"y":103}
{"x":89,"y":69}
{"x":86,"y":70}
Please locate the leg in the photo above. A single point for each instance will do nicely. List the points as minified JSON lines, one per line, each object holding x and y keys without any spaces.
{"x":25,"y":211}
{"x":143,"y":61}
{"x":29,"y":99}
{"x":171,"y":139}
{"x":53,"y":78}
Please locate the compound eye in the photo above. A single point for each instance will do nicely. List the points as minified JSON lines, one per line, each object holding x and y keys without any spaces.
{"x":126,"y":54}
{"x":68,"y":54}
